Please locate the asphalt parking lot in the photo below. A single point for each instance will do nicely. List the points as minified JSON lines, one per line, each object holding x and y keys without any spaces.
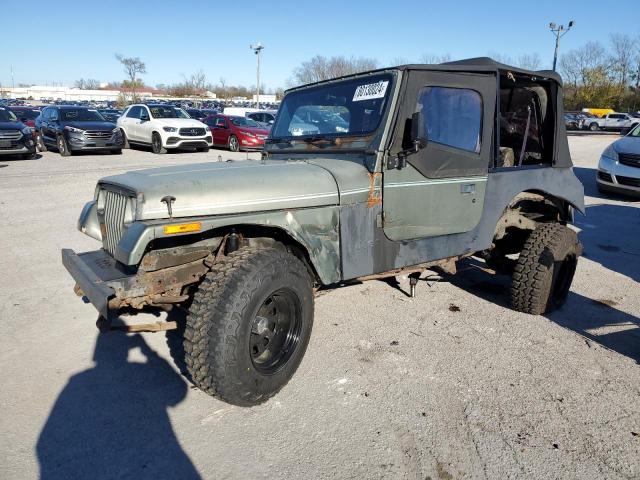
{"x":452,"y":384}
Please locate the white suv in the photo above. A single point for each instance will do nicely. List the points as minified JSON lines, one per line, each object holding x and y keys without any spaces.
{"x":163,"y":127}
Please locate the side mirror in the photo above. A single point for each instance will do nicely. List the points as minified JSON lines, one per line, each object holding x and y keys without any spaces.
{"x":144,"y":118}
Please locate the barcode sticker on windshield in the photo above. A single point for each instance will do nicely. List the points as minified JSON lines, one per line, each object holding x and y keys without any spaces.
{"x":370,"y":91}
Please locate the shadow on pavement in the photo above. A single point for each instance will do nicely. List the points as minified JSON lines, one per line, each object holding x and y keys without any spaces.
{"x":111,"y":421}
{"x":610,"y":236}
{"x":581,"y":314}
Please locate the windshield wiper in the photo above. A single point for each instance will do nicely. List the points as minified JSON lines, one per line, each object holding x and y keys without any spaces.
{"x":316,"y":140}
{"x":277,"y":140}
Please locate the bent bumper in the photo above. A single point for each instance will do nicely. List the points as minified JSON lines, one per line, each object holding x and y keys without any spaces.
{"x":97,"y":277}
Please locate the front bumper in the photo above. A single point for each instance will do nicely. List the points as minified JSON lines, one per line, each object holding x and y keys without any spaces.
{"x":175,"y":141}
{"x":77,"y":142}
{"x":617,"y":178}
{"x":18,"y":147}
{"x":97,"y":276}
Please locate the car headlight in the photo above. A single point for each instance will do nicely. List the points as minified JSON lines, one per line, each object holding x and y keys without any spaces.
{"x":248,"y":134}
{"x":115,"y":130}
{"x":610,"y":152}
{"x":73,"y":129}
{"x":170,"y":129}
{"x":27,"y":131}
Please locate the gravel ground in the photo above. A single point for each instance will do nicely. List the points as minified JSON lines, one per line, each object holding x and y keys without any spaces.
{"x":451,"y":384}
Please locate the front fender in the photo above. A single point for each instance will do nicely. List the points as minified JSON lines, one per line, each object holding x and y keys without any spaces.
{"x":316,"y":229}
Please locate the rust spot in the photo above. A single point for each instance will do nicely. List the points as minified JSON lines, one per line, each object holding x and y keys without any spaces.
{"x":375,"y":198}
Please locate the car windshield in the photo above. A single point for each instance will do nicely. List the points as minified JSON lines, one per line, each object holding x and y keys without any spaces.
{"x":244,"y":122}
{"x":635,"y":132}
{"x":81,"y":115}
{"x":7,"y":116}
{"x":348,"y":107}
{"x":168,"y":112}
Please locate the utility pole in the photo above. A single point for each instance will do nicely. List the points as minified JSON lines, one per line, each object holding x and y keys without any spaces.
{"x":559,"y":31}
{"x":13,"y":83}
{"x":257,"y":48}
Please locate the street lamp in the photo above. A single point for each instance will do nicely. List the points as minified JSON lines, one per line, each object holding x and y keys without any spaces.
{"x":257,"y":47}
{"x":559,"y":31}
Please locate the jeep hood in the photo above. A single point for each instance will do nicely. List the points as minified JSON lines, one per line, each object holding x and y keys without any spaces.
{"x":221,"y":188}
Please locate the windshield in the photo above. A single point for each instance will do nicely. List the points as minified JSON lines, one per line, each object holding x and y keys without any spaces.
{"x":349,"y":107}
{"x":244,"y":122}
{"x":168,"y":112}
{"x":635,"y":132}
{"x":7,"y":116}
{"x":81,"y":115}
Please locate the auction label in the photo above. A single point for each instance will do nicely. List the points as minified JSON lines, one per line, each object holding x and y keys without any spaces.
{"x":370,"y":91}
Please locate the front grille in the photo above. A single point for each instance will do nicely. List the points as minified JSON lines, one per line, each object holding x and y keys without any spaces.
{"x":628,"y":181}
{"x":115,"y":209}
{"x":629,"y":159}
{"x":10,"y":134}
{"x":97,"y":133}
{"x":192,"y":132}
{"x":604,"y":176}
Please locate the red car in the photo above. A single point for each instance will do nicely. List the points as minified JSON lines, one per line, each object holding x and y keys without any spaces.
{"x":26,"y":115}
{"x":236,"y":133}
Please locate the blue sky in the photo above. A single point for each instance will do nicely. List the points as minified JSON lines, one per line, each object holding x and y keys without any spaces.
{"x":68,"y":40}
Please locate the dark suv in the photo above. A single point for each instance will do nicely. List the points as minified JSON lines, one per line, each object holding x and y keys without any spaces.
{"x":72,"y":128}
{"x":15,"y":137}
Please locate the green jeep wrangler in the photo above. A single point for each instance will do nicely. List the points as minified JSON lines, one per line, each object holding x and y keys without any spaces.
{"x":377,"y":174}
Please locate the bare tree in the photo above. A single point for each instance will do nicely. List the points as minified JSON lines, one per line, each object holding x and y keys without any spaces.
{"x":322,"y":68}
{"x":529,"y":61}
{"x":133,"y":67}
{"x":622,"y":56}
{"x":87,"y":84}
{"x":432,"y":58}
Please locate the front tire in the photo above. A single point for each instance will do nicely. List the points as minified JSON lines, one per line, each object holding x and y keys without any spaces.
{"x":593,"y":127}
{"x":40,"y":146}
{"x":545,"y":269}
{"x":63,"y":146}
{"x":125,"y":140}
{"x":249,"y":325}
{"x":234,"y":144}
{"x":156,"y":144}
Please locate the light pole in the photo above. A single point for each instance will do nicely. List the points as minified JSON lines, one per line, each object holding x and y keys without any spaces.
{"x":559,"y":31}
{"x":257,"y":47}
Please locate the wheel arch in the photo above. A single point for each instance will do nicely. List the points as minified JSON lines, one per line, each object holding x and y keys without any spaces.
{"x":311,"y":234}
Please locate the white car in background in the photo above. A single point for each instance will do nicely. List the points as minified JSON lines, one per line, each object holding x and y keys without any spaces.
{"x":163,"y":127}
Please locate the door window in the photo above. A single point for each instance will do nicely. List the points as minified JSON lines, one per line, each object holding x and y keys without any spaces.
{"x":452,"y":117}
{"x":53,"y":115}
{"x":220,"y":122}
{"x":134,"y":112}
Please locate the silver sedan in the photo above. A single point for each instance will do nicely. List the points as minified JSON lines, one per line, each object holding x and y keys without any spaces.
{"x":619,"y":166}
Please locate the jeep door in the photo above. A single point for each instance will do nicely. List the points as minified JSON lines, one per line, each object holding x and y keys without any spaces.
{"x":145,"y":126}
{"x":441,"y":189}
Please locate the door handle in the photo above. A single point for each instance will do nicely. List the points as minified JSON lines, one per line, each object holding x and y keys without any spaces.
{"x":468,"y":188}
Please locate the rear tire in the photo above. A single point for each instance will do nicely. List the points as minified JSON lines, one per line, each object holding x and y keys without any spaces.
{"x":156,"y":144}
{"x":63,"y":146}
{"x":545,"y":269}
{"x":249,"y":325}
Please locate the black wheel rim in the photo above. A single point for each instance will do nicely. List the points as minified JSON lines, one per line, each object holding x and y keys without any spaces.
{"x":275,"y":331}
{"x":562,"y":277}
